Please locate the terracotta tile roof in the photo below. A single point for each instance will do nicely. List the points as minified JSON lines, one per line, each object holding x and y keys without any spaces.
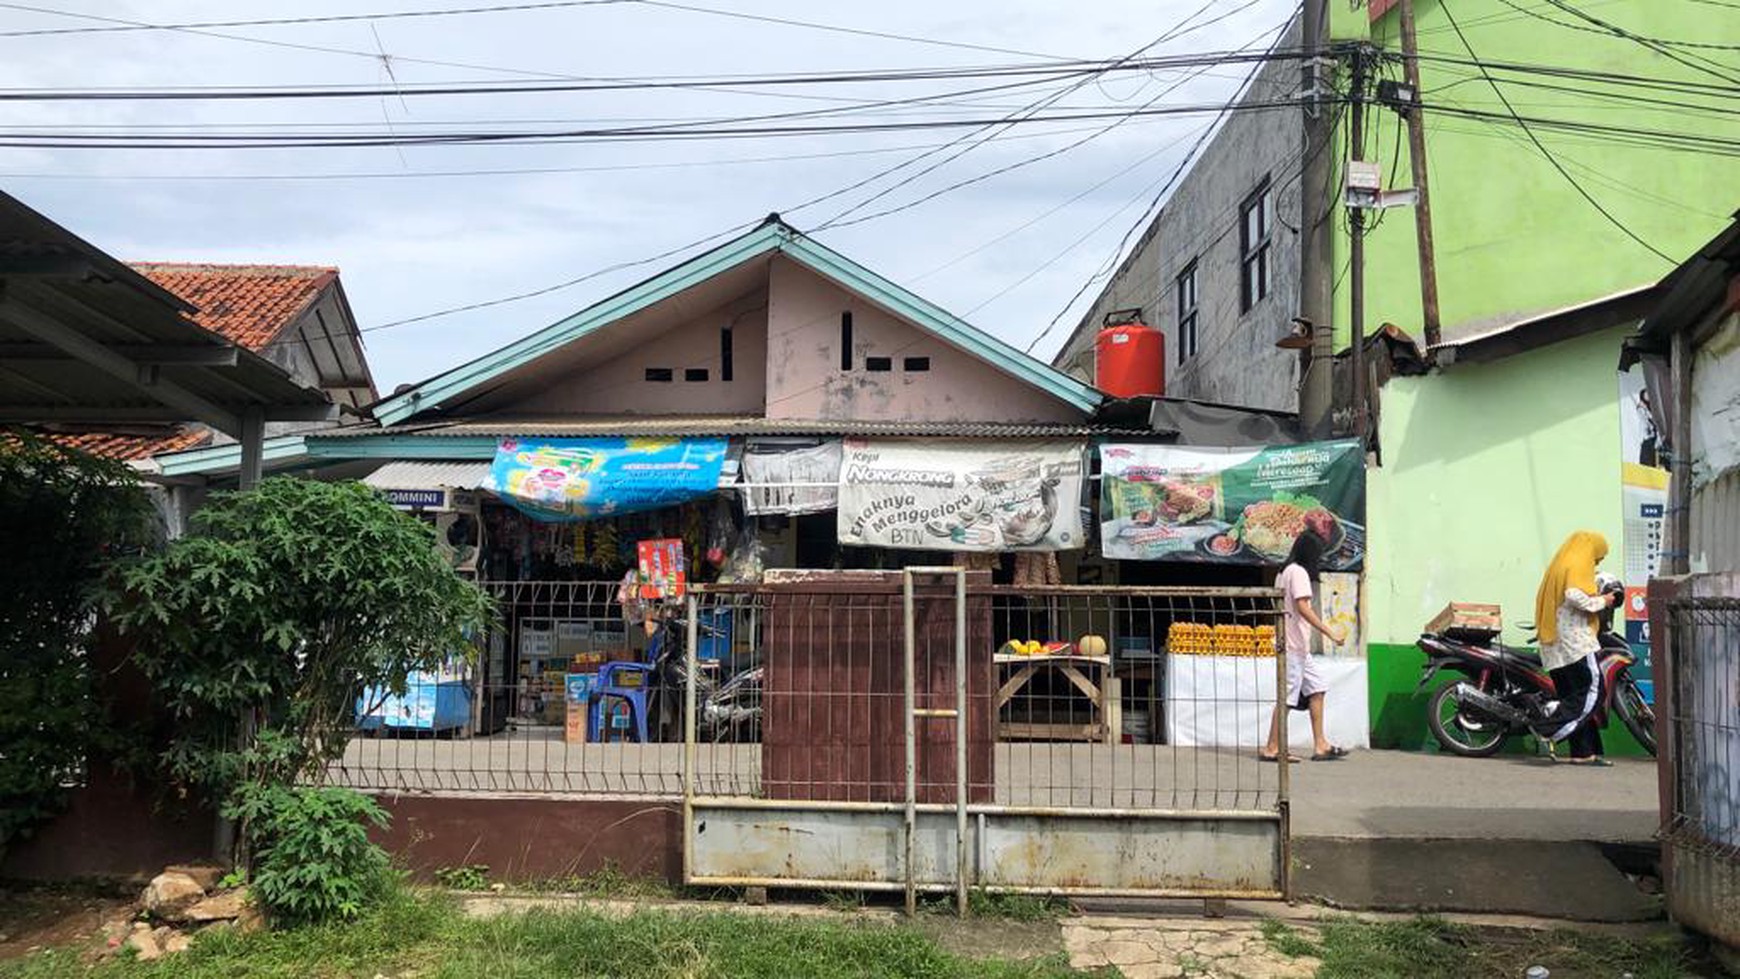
{"x":250,"y":304}
{"x":128,"y":448}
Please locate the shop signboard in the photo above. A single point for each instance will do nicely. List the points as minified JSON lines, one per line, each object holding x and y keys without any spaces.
{"x":1232,"y":505}
{"x":578,"y":479}
{"x":962,"y":496}
{"x":790,"y":479}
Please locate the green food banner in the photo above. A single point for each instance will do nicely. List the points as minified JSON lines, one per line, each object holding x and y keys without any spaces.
{"x":1232,"y":506}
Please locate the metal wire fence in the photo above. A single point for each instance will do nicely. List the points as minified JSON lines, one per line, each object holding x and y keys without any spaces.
{"x":1076,"y":697}
{"x":1703,"y":726}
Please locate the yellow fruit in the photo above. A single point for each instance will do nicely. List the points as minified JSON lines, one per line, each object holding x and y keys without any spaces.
{"x":1092,"y":645}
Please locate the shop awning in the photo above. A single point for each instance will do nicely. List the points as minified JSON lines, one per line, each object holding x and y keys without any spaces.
{"x":421,"y":485}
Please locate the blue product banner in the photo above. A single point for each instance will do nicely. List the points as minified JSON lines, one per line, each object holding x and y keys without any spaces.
{"x":577,"y":479}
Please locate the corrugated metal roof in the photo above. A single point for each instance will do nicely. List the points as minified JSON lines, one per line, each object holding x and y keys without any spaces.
{"x":405,"y":474}
{"x":714,"y":425}
{"x":80,"y":326}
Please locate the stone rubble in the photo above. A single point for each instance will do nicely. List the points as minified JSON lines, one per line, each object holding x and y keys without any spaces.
{"x":180,"y":899}
{"x":1175,"y":949}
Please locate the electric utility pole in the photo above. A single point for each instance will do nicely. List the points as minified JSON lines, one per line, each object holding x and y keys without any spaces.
{"x":1411,"y":112}
{"x":1356,"y":230}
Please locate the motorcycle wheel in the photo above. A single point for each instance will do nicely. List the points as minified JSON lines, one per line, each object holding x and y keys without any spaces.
{"x":1458,"y":734}
{"x":1638,"y":716}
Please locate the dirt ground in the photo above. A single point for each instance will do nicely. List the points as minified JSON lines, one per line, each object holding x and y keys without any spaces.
{"x":35,"y":918}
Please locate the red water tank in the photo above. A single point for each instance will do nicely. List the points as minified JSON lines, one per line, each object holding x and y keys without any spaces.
{"x":1130,"y":358}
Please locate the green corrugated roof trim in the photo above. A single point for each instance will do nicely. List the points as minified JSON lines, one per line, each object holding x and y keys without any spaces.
{"x":773,"y":236}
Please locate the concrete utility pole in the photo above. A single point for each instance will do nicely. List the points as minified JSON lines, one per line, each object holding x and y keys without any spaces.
{"x":1317,"y":211}
{"x":1417,"y":160}
{"x":1356,"y":228}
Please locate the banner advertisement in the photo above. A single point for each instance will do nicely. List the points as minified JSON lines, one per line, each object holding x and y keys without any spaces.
{"x":577,"y":479}
{"x":1644,"y":494}
{"x":962,"y":496}
{"x":1232,"y":506}
{"x":781,"y":479}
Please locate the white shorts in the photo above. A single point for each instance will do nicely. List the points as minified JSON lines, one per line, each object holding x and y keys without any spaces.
{"x":1303,"y":679}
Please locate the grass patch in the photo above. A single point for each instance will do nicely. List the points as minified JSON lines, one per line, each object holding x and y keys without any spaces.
{"x":472,"y":877}
{"x":1430,"y":948}
{"x":427,"y":935}
{"x":606,"y":882}
{"x":1287,"y":940}
{"x":998,"y":905}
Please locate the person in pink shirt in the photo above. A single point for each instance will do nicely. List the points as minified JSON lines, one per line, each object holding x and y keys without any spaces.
{"x":1305,"y":682}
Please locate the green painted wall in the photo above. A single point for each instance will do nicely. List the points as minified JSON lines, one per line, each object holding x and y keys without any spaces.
{"x":1512,"y":235}
{"x":1486,"y":469}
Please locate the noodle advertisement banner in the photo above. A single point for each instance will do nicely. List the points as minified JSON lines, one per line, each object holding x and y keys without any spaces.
{"x":962,"y":496}
{"x":1232,"y":506}
{"x":577,"y":479}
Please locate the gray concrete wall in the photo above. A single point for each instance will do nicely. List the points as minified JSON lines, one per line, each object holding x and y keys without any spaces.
{"x":1236,"y":360}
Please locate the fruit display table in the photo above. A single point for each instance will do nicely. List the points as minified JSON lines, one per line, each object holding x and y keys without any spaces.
{"x":1089,"y":676}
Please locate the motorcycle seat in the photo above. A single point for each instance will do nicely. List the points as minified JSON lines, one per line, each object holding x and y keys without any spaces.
{"x":1527,"y":654}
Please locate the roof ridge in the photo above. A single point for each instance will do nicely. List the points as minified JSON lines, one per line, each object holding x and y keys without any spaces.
{"x":310,"y":271}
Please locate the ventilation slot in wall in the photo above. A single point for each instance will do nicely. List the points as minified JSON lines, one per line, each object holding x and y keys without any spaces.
{"x":660,"y":375}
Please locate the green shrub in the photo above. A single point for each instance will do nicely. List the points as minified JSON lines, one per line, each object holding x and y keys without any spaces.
{"x":67,"y":518}
{"x":313,"y":860}
{"x":471,"y":877}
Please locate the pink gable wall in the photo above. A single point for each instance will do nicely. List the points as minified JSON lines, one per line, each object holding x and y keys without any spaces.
{"x":805,"y":380}
{"x":618,"y":385}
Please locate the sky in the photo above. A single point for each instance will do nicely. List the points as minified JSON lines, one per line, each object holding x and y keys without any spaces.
{"x":420,"y":229}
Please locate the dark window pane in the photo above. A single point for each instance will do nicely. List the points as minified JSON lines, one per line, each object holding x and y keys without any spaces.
{"x":662,"y":375}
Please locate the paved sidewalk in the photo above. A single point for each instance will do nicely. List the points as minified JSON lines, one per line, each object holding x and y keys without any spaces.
{"x":1416,"y":795}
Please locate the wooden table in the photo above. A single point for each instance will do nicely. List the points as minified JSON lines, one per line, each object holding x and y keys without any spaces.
{"x":1101,"y":691}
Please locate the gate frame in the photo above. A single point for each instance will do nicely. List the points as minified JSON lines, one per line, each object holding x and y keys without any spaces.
{"x":965,"y":811}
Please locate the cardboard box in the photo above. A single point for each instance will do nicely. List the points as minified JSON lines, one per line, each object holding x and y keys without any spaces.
{"x":577,"y":693}
{"x":1468,"y":618}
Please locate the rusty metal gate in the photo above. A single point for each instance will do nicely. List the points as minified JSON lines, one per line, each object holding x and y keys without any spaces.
{"x":926,"y":731}
{"x":1696,"y":625}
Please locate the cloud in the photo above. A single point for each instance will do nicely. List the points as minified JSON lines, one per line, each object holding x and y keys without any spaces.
{"x":409,"y":246}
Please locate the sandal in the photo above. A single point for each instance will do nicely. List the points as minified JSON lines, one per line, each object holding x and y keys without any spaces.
{"x":1292,"y":759}
{"x":1335,"y":753}
{"x":1593,"y":761}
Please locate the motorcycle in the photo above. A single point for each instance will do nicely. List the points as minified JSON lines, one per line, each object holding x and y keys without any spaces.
{"x":1507,"y":692}
{"x":726,"y":711}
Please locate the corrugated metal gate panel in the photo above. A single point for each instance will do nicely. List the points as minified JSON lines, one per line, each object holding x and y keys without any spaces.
{"x":1716,"y":525}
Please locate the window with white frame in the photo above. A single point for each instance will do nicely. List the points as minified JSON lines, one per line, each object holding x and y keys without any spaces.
{"x":1184,"y":287}
{"x":1256,"y":219}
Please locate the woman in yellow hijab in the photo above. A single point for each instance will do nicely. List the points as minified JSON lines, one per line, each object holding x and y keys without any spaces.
{"x":1567,"y":607}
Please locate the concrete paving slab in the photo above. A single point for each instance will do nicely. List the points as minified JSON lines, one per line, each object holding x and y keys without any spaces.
{"x":1562,"y":879}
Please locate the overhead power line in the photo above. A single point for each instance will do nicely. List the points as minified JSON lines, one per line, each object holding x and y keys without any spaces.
{"x":628,"y":134}
{"x":971,"y":141}
{"x":1057,"y":70}
{"x":122,"y":27}
{"x":1499,"y":91}
{"x":1704,"y":65}
{"x":130,"y":26}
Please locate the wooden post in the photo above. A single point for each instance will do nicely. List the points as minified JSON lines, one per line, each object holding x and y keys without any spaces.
{"x":1680,"y":489}
{"x":1416,"y":124}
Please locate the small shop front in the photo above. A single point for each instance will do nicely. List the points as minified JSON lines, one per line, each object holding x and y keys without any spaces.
{"x":589,"y":545}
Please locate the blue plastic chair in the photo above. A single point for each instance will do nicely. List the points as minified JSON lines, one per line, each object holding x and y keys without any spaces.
{"x":633,"y":693}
